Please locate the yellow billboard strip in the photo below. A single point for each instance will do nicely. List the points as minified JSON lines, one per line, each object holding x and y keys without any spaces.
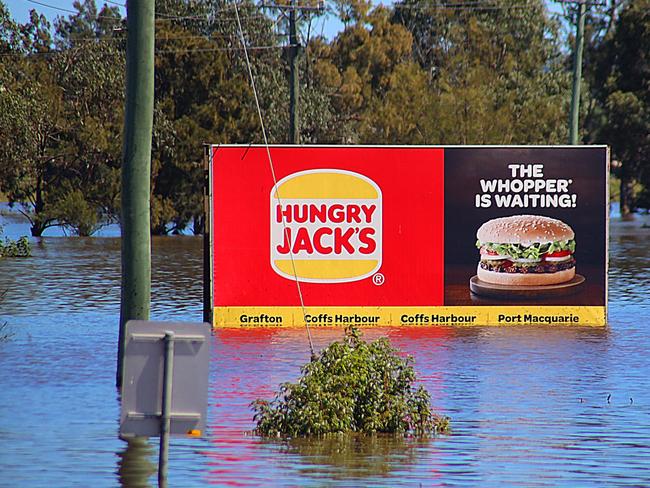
{"x":409,"y":316}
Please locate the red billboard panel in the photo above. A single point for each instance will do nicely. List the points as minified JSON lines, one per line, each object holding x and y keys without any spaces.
{"x":333,"y":235}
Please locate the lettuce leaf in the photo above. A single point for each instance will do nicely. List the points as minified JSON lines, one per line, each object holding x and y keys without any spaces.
{"x":534,"y":251}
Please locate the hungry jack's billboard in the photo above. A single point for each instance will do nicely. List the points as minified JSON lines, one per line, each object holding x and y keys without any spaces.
{"x":408,"y":235}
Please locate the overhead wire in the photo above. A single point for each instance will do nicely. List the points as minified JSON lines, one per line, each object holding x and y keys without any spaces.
{"x":207,"y":37}
{"x":275,"y":180}
{"x":165,"y":51}
{"x":67,"y":10}
{"x":463,"y":8}
{"x":43,"y":4}
{"x":207,"y":50}
{"x":472,"y":5}
{"x":160,"y":17}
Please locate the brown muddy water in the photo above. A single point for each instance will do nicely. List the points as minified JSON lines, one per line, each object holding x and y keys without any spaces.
{"x":529,"y":405}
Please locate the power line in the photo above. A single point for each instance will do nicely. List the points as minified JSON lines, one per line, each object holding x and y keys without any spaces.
{"x":208,"y":37}
{"x":275,"y":180}
{"x":471,"y":4}
{"x":207,"y":50}
{"x":53,"y":7}
{"x":205,"y":18}
{"x":462,"y":8}
{"x":161,"y":17}
{"x":587,"y":4}
{"x":162,"y":51}
{"x":61,"y":9}
{"x":478,"y":5}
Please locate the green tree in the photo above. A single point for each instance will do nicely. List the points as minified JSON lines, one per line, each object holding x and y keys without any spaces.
{"x":203,"y":96}
{"x":32,"y":118}
{"x":87,"y":24}
{"x":199,"y":100}
{"x":8,"y":32}
{"x":62,"y":111}
{"x":623,"y":88}
{"x":357,"y":71}
{"x":496,"y":71}
{"x":91,"y":68}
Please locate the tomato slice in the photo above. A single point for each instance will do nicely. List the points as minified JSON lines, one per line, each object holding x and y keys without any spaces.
{"x":489,"y":252}
{"x":558,"y":254}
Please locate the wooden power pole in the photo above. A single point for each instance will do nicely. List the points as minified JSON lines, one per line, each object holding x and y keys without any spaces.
{"x":577,"y":73}
{"x":294,"y":77}
{"x":291,"y":12}
{"x":136,"y":169}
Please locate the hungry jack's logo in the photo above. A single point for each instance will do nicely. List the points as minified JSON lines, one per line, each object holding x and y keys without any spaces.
{"x":326,"y":223}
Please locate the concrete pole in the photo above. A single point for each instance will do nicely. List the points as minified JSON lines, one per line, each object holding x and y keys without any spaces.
{"x":577,"y":74}
{"x":136,"y":169}
{"x":294,"y":81}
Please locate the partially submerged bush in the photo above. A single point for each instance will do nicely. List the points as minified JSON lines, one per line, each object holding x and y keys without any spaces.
{"x":5,"y":334}
{"x":15,"y":249}
{"x":351,"y":386}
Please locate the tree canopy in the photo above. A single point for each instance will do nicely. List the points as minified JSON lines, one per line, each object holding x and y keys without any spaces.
{"x":415,"y":72}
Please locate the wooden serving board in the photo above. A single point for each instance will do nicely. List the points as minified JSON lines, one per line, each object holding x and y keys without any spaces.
{"x":510,"y":292}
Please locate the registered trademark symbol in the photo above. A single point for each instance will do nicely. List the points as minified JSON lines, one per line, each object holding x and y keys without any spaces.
{"x":378,"y":279}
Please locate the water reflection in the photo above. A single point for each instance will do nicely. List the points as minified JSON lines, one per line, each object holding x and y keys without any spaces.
{"x":135,"y":466}
{"x":630,"y":261}
{"x":77,"y":274}
{"x":353,"y":456}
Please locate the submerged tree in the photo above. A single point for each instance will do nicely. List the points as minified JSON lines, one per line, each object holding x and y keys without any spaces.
{"x":351,"y":386}
{"x":623,"y":86}
{"x":31,"y":115}
{"x":417,"y":72}
{"x":61,"y":109}
{"x":10,"y":248}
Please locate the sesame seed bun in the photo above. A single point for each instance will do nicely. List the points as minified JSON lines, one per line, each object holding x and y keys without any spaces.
{"x":523,"y":279}
{"x":525,"y":230}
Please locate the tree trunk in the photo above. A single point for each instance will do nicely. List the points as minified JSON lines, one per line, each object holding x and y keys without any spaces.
{"x":198,"y":225}
{"x":159,"y":230}
{"x":36,"y":229}
{"x":38,"y":225}
{"x":627,"y":196}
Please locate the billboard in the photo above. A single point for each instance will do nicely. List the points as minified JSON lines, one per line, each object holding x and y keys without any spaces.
{"x":408,"y":235}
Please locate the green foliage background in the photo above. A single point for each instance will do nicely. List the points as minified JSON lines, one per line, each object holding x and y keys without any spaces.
{"x":417,"y":72}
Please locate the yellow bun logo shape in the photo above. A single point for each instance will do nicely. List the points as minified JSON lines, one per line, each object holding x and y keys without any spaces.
{"x":326,"y":226}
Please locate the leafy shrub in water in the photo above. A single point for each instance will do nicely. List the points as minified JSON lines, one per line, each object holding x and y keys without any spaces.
{"x":351,"y":386}
{"x":15,"y":249}
{"x":5,"y":335}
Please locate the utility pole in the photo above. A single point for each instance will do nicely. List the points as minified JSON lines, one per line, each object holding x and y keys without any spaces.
{"x":577,"y":73}
{"x":293,"y":53}
{"x":294,"y":80}
{"x":136,"y":169}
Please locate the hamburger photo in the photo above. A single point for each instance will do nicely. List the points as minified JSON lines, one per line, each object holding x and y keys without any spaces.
{"x":526,"y":250}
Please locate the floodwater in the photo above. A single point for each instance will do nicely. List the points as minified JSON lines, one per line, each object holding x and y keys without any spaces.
{"x":530,"y":406}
